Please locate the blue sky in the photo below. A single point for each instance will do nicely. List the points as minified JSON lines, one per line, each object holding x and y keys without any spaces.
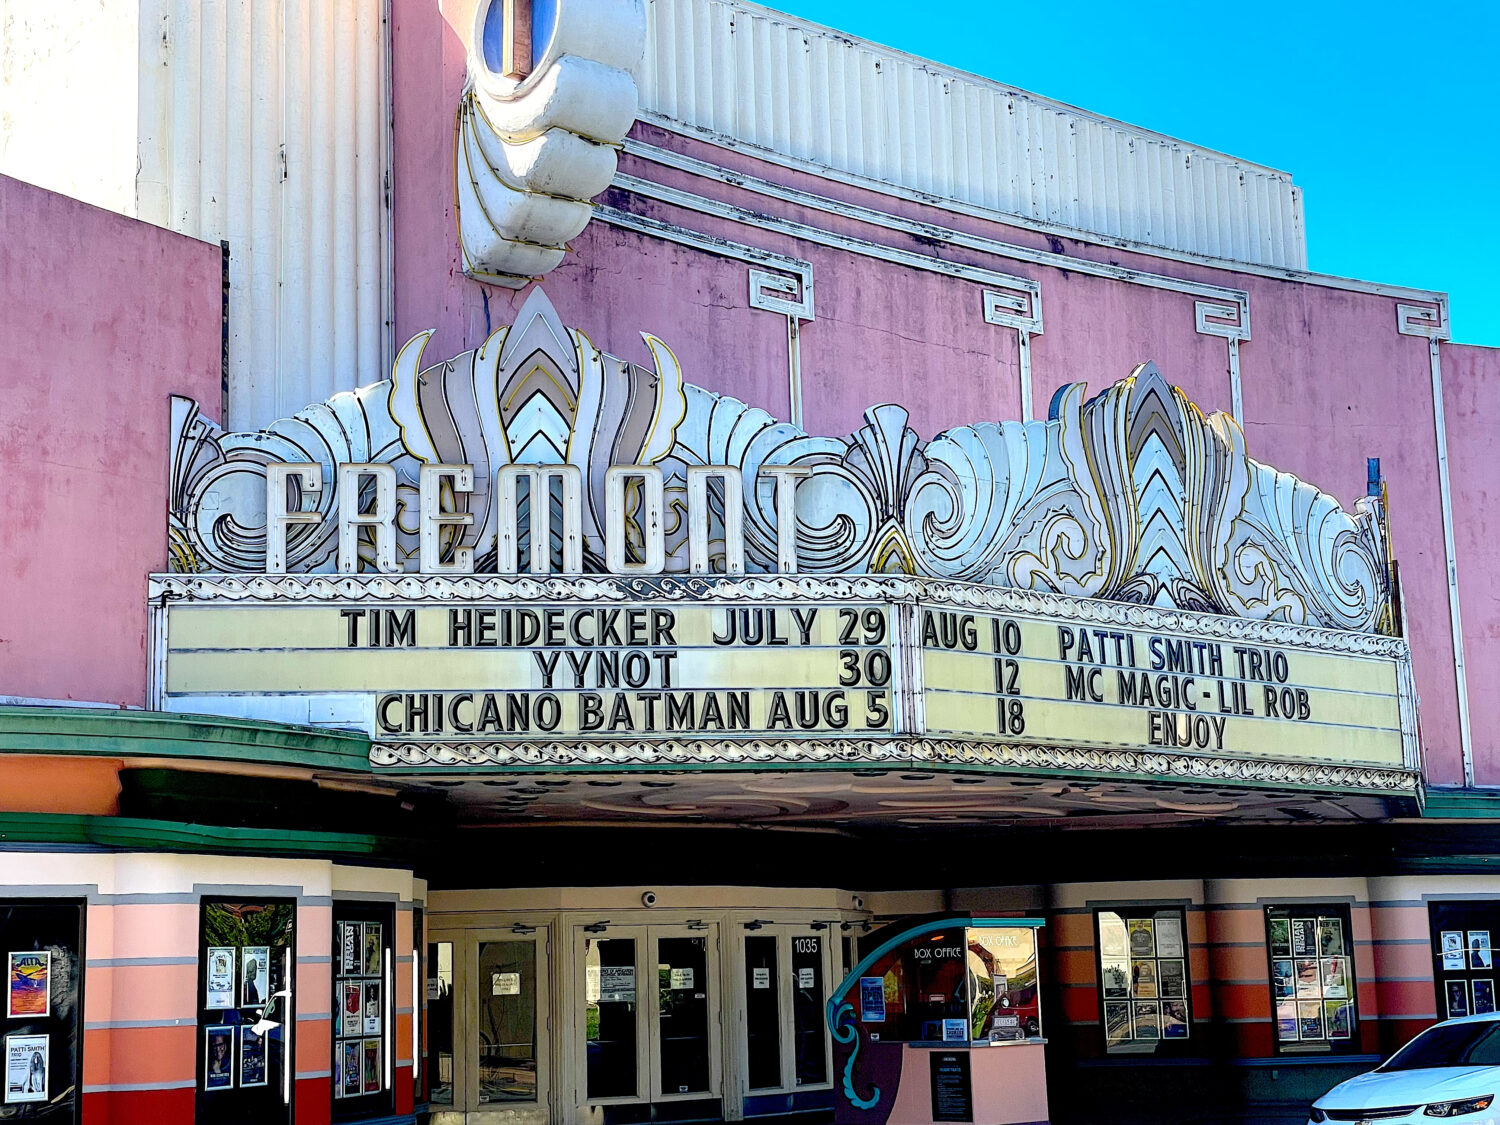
{"x":1387,"y":116}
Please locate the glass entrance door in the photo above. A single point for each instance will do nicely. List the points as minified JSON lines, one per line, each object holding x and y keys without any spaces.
{"x":649,"y":1013}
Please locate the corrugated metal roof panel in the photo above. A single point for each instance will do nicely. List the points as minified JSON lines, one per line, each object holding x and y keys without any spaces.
{"x":765,"y":79}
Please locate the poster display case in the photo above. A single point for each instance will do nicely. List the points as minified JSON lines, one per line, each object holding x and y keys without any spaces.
{"x":39,"y":1025}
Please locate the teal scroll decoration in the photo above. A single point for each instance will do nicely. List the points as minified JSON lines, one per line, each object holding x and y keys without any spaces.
{"x":845,"y":1030}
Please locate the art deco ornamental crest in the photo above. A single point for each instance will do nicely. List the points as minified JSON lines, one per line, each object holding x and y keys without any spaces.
{"x":1132,"y":496}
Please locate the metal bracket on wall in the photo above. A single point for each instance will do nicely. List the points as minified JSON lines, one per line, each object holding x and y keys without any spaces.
{"x":1018,"y":307}
{"x":1232,"y":322}
{"x":792,"y":297}
{"x":1431,"y":323}
{"x":787,"y":291}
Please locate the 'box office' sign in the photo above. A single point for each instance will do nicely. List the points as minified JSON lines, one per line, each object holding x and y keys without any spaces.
{"x":429,"y":661}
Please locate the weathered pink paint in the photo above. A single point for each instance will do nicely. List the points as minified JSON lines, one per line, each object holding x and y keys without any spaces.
{"x":103,"y":318}
{"x":1327,"y":380}
{"x":1471,"y":405}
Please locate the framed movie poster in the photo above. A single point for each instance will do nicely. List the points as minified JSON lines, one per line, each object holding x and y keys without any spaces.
{"x":252,"y":1057}
{"x":351,"y":1064}
{"x":351,"y":1013}
{"x":1484,"y":995}
{"x":1147,"y":1020}
{"x":371,"y":990}
{"x":351,"y":952}
{"x":26,"y":1063}
{"x":1142,"y":937}
{"x":219,"y":989}
{"x":1480,"y":954}
{"x":29,"y":984}
{"x":255,"y":976}
{"x":371,"y":1066}
{"x":1174,"y":1019}
{"x":1286,"y":1021}
{"x":1169,"y":936}
{"x":372,"y":949}
{"x":1283,"y":979}
{"x":1453,"y":951}
{"x":1458,"y":999}
{"x":218,"y":1057}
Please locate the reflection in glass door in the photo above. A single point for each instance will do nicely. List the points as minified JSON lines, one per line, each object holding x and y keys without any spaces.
{"x":649,"y":1013}
{"x":682,"y":1025}
{"x":611,"y":1018}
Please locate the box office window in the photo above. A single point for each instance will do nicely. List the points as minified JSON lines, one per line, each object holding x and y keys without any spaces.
{"x":1311,"y":952}
{"x":363,"y":981}
{"x":1145,"y":991}
{"x":245,"y":1021}
{"x":42,"y":945}
{"x":954,"y":985}
{"x":1463,"y":956}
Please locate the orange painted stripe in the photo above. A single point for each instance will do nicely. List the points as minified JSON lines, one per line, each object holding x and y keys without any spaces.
{"x":141,"y":929}
{"x":1400,"y":922}
{"x":1243,"y":1001}
{"x":314,"y":1045}
{"x":1402,"y":961}
{"x":1074,"y":966}
{"x":314,"y":931}
{"x":1071,"y":930}
{"x":1409,"y":999}
{"x":139,"y":1055}
{"x":140,"y":992}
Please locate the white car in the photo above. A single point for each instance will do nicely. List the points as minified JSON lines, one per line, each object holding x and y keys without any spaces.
{"x":1450,"y":1070}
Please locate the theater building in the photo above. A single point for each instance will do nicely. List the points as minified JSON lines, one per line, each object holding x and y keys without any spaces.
{"x":608,"y":562}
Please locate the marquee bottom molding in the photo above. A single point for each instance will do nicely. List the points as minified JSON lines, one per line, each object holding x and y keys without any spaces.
{"x":896,"y":752}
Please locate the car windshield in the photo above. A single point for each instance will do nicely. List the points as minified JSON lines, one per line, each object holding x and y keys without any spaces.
{"x":1459,"y":1044}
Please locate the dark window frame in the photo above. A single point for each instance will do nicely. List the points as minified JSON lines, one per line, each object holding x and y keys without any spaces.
{"x":1466,"y":909}
{"x":1188,"y":1046}
{"x":1325,"y":1046}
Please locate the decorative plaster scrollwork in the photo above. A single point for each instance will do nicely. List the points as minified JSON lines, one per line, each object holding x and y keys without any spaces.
{"x":895,"y":752}
{"x":1132,"y":496}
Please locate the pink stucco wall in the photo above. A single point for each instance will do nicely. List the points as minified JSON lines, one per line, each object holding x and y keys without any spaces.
{"x":103,"y":318}
{"x":1327,"y":379}
{"x":1471,"y":403}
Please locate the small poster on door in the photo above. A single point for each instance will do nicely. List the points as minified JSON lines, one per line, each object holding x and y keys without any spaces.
{"x":955,"y":1031}
{"x":872,"y":999}
{"x":617,"y":984}
{"x":371,"y":990}
{"x":1480,"y":954}
{"x":1174,"y":1019}
{"x":807,"y":977}
{"x":255,"y":975}
{"x":1453,"y":950}
{"x":371,"y":1083}
{"x":351,"y":1008}
{"x":1484,"y":995}
{"x":1169,"y":936}
{"x":218,"y":1057}
{"x":252,"y":1057}
{"x":1142,"y":938}
{"x":1111,"y":936}
{"x":25,"y":1069}
{"x":1458,"y":998}
{"x":29,"y":987}
{"x":760,"y":977}
{"x":680,"y":978}
{"x":350,"y":954}
{"x":351,"y":1064}
{"x":219,"y":992}
{"x":373,"y":948}
{"x":505,"y":984}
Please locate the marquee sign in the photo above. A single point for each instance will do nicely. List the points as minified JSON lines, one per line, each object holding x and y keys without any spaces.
{"x":536,"y":553}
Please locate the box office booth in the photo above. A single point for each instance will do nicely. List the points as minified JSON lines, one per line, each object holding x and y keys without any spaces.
{"x":941,"y":1021}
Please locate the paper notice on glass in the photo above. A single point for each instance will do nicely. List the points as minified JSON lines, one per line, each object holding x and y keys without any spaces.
{"x":806,"y":978}
{"x":505,"y":984}
{"x":760,"y":978}
{"x":219,"y":992}
{"x":680,"y":978}
{"x":1453,"y":950}
{"x":617,"y":984}
{"x":25,"y":1068}
{"x":872,"y":999}
{"x":955,"y":1031}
